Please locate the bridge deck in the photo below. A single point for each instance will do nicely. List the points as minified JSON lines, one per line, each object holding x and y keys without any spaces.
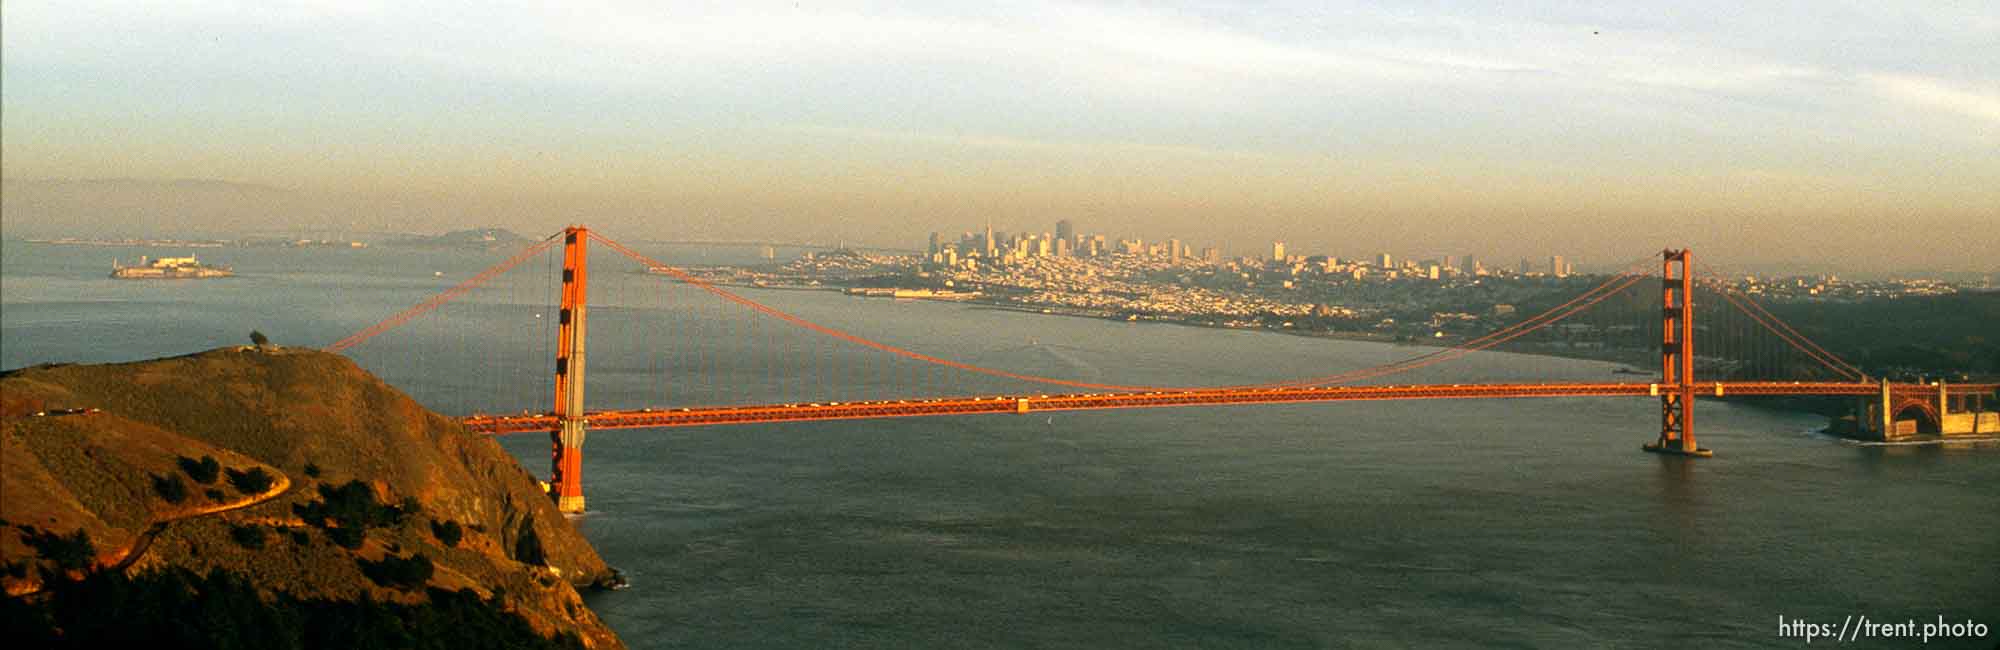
{"x":683,"y":417}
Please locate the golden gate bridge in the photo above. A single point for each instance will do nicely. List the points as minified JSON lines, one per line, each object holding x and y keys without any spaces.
{"x":1760,"y":354}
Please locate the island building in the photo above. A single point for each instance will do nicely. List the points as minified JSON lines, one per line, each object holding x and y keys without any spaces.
{"x":168,"y":268}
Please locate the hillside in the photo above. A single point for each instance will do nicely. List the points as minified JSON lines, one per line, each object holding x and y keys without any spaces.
{"x":293,"y":471}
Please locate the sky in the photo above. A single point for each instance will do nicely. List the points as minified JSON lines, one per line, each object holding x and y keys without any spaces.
{"x":1823,"y":134}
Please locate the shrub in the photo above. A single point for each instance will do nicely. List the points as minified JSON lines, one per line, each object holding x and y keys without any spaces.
{"x":259,"y":338}
{"x":255,"y":481}
{"x":347,"y":538}
{"x":154,"y":610}
{"x":351,"y":505}
{"x":215,"y":495}
{"x":202,"y":471}
{"x":170,"y":488}
{"x":312,"y":470}
{"x":399,"y":573}
{"x":299,"y":537}
{"x":250,"y":537}
{"x":72,"y":552}
{"x":447,"y":532}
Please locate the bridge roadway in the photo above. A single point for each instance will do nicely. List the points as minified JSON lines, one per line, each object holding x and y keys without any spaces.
{"x":709,"y":415}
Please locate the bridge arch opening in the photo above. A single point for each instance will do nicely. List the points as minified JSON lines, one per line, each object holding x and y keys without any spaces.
{"x":1923,"y":413}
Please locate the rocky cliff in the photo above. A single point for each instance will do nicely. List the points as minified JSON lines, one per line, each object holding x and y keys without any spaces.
{"x":294,"y":469}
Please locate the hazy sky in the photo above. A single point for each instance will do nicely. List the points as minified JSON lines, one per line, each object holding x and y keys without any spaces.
{"x":1866,"y":134}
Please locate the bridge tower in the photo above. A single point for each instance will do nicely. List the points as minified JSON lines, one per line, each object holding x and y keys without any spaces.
{"x":566,"y":442}
{"x":1676,"y":387}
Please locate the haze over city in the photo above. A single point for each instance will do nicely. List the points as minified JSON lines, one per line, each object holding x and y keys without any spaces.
{"x":1837,"y":136}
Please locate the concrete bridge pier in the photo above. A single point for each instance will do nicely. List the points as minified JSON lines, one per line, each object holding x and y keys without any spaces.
{"x":1890,"y":415}
{"x":567,"y":488}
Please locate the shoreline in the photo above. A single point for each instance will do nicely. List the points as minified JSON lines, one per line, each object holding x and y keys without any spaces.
{"x":1072,"y":312}
{"x":1365,"y":337}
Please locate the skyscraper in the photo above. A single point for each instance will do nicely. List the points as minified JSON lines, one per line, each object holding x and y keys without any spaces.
{"x":991,"y":246}
{"x":1173,"y":251}
{"x":1277,"y":251}
{"x":1557,"y":267}
{"x":935,"y":243}
{"x":1384,"y":260}
{"x":1066,"y":231}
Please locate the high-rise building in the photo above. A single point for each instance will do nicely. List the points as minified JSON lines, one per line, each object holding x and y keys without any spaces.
{"x":1557,"y":267}
{"x":1526,"y":268}
{"x":1173,"y":251}
{"x":1064,"y":248}
{"x":935,"y":244}
{"x":991,"y":245}
{"x":1211,"y":255}
{"x":1097,"y":247}
{"x":1385,"y":261}
{"x":1277,"y":251}
{"x":1451,"y":262}
{"x":1066,"y":231}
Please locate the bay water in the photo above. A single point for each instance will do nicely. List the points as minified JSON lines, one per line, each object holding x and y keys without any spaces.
{"x":1528,"y":523}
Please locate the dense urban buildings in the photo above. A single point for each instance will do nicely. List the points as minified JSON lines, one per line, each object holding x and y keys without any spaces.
{"x":990,"y":249}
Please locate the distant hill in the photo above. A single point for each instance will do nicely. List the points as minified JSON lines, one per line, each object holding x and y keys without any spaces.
{"x":285,"y":474}
{"x":477,"y":238}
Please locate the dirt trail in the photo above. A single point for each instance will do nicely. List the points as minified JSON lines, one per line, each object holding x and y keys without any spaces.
{"x":145,"y":539}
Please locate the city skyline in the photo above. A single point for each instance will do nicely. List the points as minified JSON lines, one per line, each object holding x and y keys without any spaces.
{"x":993,"y":245}
{"x":1762,"y":135}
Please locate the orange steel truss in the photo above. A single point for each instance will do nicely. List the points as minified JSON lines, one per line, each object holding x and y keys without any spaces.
{"x":567,"y":433}
{"x":1677,"y":356}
